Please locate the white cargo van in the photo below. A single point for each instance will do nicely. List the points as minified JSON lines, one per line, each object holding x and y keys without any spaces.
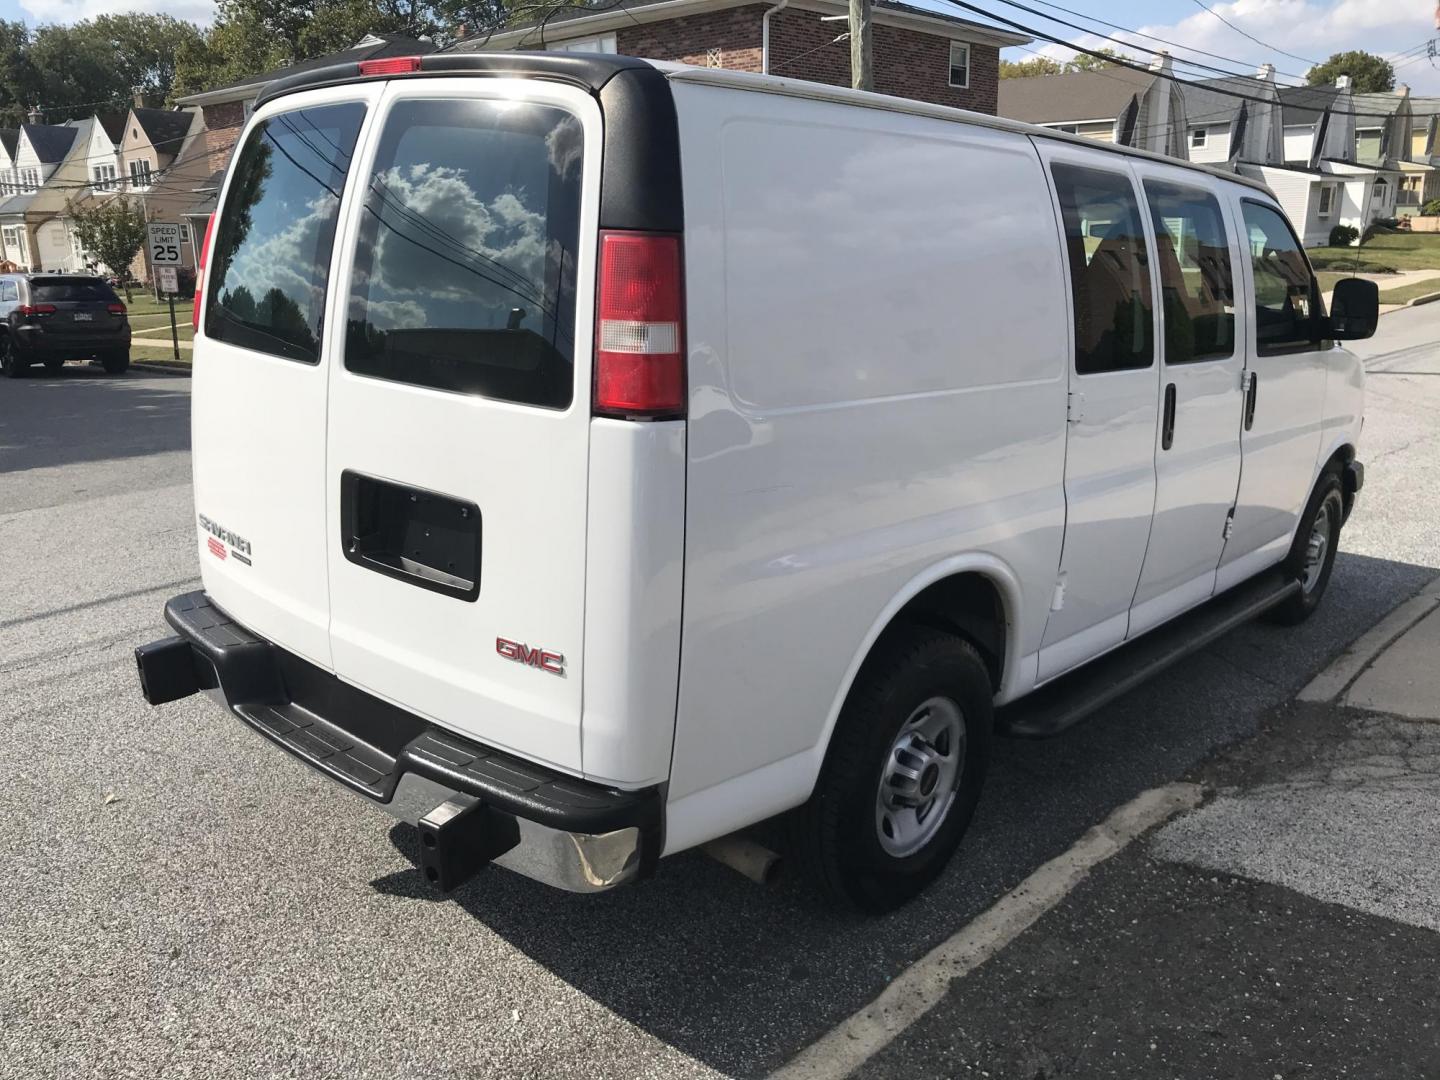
{"x":593,"y":458}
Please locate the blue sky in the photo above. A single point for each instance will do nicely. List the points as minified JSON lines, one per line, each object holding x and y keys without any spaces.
{"x":1310,"y":29}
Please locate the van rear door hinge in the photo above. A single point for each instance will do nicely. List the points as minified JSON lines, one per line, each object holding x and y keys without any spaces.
{"x":1057,"y":601}
{"x":1074,"y":407}
{"x":1229,"y":523}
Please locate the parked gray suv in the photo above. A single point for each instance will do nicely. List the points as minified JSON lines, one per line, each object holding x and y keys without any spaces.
{"x":51,"y":318}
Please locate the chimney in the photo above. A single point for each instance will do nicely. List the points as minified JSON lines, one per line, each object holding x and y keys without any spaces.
{"x":35,"y":116}
{"x":1266,"y":73}
{"x":1403,"y":90}
{"x":138,"y":98}
{"x":1342,"y":82}
{"x":1161,"y":63}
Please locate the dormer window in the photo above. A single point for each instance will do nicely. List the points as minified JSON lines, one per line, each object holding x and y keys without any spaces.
{"x":1198,"y":138}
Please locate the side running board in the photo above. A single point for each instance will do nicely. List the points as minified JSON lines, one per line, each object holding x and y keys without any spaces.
{"x":1066,"y":701}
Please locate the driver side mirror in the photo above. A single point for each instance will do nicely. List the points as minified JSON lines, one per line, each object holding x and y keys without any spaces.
{"x":1354,"y":309}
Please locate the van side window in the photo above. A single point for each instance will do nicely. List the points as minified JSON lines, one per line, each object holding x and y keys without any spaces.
{"x":1109,"y":269}
{"x":1287,"y":299}
{"x":270,"y":263}
{"x":1197,"y":299}
{"x":465,"y":263}
{"x":7,"y":291}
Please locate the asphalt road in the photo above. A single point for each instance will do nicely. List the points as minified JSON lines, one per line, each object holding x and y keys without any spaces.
{"x":177,"y":898}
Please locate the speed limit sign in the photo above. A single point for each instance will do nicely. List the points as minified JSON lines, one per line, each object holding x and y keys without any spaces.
{"x":164,"y":243}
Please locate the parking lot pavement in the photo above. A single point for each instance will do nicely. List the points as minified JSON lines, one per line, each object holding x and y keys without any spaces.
{"x":180,"y":899}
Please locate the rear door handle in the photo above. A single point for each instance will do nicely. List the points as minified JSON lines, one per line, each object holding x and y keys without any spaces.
{"x":1250,"y":396}
{"x":1167,"y":429}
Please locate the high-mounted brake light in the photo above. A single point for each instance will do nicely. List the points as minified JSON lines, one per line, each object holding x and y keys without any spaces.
{"x":640,"y":331}
{"x":393,"y":65}
{"x":200,"y":273}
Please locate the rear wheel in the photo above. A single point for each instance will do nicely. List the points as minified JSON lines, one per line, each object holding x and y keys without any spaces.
{"x":903,"y":773}
{"x":11,"y":366}
{"x":116,"y":363}
{"x":1312,"y":556}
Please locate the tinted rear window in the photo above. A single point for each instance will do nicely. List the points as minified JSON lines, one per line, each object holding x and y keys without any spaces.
{"x":270,"y":262}
{"x":465,"y":264}
{"x":63,"y":290}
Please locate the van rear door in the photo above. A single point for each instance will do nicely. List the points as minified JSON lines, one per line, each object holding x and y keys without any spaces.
{"x":459,"y":412}
{"x":261,"y":369}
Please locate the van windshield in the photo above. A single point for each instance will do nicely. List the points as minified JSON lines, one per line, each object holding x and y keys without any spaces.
{"x":465,"y":263}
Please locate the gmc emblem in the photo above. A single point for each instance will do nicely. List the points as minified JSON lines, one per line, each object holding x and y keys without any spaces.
{"x":553,"y":662}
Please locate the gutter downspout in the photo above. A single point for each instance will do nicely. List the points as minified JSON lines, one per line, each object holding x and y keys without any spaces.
{"x":765,"y":36}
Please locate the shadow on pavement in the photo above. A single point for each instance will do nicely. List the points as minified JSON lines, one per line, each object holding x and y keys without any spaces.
{"x":741,"y":977}
{"x":81,"y":414}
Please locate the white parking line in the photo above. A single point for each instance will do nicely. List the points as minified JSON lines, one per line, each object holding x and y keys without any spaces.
{"x":923,"y":985}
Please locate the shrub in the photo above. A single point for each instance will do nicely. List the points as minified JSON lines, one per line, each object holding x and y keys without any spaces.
{"x":1344,"y":236}
{"x":1431,"y":208}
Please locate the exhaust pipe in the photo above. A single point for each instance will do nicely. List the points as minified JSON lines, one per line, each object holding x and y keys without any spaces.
{"x":744,"y":856}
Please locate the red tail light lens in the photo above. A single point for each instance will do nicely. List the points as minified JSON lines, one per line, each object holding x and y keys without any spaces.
{"x":640,"y":332}
{"x":200,"y":273}
{"x":36,"y":309}
{"x":393,"y":65}
{"x":115,"y":309}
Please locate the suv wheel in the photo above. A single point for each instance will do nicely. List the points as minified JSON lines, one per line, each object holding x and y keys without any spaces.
{"x":116,"y":363}
{"x":11,"y":366}
{"x":1312,"y":556}
{"x":903,"y":773}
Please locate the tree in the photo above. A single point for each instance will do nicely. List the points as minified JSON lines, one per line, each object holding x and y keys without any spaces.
{"x":114,"y":231}
{"x":19,"y":81}
{"x":1108,"y":58}
{"x":1369,"y":74}
{"x":1026,"y":69}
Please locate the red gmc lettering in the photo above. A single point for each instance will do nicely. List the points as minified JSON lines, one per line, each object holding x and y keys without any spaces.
{"x":521,"y":653}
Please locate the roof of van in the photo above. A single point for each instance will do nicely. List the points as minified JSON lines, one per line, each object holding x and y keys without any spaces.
{"x":594,"y":70}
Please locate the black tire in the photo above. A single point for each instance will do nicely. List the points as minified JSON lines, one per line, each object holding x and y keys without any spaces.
{"x":54,"y":366}
{"x":116,"y":363}
{"x":839,"y":838}
{"x":11,"y":366}
{"x":1324,"y":515}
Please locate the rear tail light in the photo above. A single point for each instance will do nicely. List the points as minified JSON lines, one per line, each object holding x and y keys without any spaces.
{"x":115,"y":309}
{"x":393,"y":65}
{"x":200,"y":273}
{"x":640,"y":331}
{"x":36,"y":309}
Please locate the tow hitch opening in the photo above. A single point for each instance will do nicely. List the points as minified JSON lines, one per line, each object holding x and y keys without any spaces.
{"x":167,"y":670}
{"x":459,"y":837}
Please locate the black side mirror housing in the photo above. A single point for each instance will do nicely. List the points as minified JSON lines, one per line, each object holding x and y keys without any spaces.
{"x":1354,"y":309}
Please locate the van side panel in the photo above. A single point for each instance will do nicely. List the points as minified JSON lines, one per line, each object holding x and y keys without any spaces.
{"x":878,"y":340}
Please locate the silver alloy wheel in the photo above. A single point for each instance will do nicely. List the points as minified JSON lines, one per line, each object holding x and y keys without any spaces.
{"x":1316,"y":548}
{"x":920,"y":778}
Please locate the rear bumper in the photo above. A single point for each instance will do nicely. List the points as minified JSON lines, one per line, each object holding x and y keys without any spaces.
{"x":34,"y":342}
{"x":567,"y":832}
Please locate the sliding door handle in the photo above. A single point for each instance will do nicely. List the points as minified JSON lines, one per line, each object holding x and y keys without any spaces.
{"x":1167,"y":427}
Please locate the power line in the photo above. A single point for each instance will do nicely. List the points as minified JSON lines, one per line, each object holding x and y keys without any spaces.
{"x":1303,"y":59}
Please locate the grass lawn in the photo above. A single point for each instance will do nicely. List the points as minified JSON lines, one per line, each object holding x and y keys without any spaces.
{"x":1401,"y":294}
{"x":1385,"y":252}
{"x":156,"y":352}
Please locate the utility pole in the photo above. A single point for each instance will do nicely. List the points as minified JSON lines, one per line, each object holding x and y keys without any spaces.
{"x":861,"y":77}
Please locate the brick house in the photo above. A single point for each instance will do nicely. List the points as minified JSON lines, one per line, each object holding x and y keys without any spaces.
{"x":919,"y":54}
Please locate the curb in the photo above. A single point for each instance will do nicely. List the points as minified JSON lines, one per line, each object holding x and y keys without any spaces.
{"x":161,"y":368}
{"x":1331,"y":683}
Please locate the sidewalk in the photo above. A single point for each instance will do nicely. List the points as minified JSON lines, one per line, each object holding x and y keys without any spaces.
{"x":1285,"y":928}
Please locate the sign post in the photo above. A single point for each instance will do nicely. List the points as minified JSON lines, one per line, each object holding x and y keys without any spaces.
{"x":164,"y":244}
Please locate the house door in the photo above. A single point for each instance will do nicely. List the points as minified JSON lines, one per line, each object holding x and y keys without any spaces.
{"x":1114,"y":407}
{"x":1197,"y":451}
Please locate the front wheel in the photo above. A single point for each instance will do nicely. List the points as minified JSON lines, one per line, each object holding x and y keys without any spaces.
{"x":116,"y":363}
{"x":1312,"y":556}
{"x":903,"y":773}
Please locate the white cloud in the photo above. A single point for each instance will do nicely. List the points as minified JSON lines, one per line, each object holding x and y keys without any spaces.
{"x":1313,"y":29}
{"x":39,"y":12}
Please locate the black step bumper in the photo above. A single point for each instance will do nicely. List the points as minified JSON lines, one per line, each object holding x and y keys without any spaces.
{"x":374,"y":747}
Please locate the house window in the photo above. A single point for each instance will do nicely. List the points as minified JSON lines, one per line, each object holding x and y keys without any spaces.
{"x":13,"y":236}
{"x":105,"y":177}
{"x":184,"y":233}
{"x":1327,"y":200}
{"x":140,"y":174}
{"x":604,"y":43}
{"x":960,"y":65}
{"x":29,"y":180}
{"x":1198,"y":137}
